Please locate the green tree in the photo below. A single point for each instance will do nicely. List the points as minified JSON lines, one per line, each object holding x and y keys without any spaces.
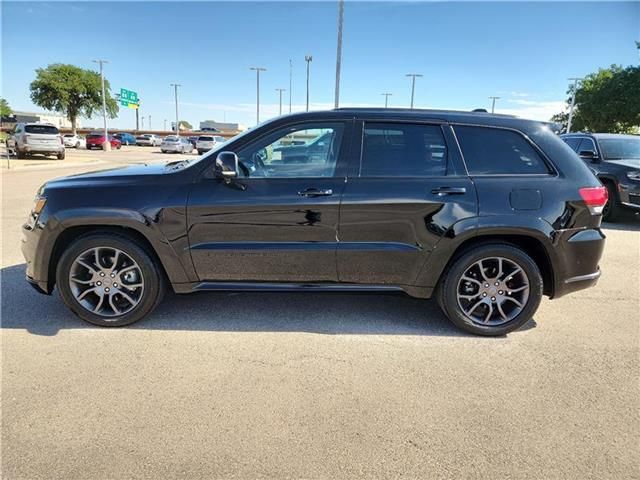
{"x":184,"y":125}
{"x":606,"y":101}
{"x":5,"y":109}
{"x":72,"y":91}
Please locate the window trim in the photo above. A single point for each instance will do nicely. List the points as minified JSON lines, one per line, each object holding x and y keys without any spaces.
{"x":593,"y":143}
{"x":425,"y":122}
{"x":552,"y":170}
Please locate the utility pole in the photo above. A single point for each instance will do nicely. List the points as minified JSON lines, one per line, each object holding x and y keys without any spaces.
{"x":573,"y":102}
{"x":386,"y":99}
{"x":290,"y":82}
{"x":280,"y":90}
{"x":165,"y":125}
{"x":106,"y":145}
{"x":138,"y":118}
{"x":308,"y":59}
{"x":493,"y":103}
{"x":149,"y":122}
{"x":258,"y":70}
{"x":413,"y":84}
{"x":175,"y":89}
{"x":339,"y":51}
{"x":142,"y":122}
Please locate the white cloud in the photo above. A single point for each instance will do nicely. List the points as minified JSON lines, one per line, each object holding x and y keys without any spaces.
{"x":534,"y":110}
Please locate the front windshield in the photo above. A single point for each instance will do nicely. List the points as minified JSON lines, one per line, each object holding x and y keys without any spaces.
{"x":627,"y":148}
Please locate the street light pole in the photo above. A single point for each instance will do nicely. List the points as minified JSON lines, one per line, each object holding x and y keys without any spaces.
{"x":165,"y":125}
{"x":290,"y":82}
{"x":258,"y":70}
{"x":493,"y":103}
{"x":386,"y":99}
{"x":413,"y":84}
{"x":106,"y":145}
{"x":339,"y":51}
{"x":149,"y":122}
{"x":280,"y":90}
{"x":573,"y":102}
{"x":308,"y":59}
{"x":175,"y":89}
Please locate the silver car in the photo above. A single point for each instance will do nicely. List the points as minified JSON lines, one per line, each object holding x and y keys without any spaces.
{"x":149,"y":140}
{"x":208,"y":142}
{"x":176,"y":144}
{"x":30,"y":138}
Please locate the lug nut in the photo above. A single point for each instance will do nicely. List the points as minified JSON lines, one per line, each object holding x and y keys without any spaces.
{"x":496,"y":284}
{"x":102,"y":274}
{"x":484,"y":294}
{"x":98,"y":283}
{"x":106,"y":289}
{"x":500,"y":292}
{"x":115,"y":285}
{"x":486,"y":285}
{"x":493,"y":299}
{"x":113,"y":275}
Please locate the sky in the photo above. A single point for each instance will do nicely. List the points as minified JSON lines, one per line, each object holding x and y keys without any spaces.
{"x":523,"y":52}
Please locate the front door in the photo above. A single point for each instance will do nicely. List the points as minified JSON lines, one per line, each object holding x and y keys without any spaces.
{"x":407,"y":191}
{"x":278,"y":221}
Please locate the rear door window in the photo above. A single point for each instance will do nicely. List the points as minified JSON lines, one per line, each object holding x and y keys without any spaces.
{"x":497,"y":151}
{"x":587,"y":145}
{"x":573,"y":142}
{"x":403,"y":150}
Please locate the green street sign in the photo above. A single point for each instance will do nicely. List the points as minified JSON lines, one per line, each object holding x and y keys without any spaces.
{"x":129,"y":98}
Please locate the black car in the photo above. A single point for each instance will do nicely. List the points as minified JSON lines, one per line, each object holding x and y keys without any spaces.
{"x":615,"y":159}
{"x":485,"y":212}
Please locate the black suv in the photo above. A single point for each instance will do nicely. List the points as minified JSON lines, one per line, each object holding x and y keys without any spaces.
{"x":486,"y":212}
{"x":615,"y":159}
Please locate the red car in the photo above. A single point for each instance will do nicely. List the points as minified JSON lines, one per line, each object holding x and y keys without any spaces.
{"x":95,"y":140}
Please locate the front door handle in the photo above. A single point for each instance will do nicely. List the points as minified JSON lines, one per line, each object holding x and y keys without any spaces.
{"x":316,"y":192}
{"x":441,"y":191}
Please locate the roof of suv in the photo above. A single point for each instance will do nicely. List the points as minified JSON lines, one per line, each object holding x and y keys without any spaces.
{"x":599,"y":135}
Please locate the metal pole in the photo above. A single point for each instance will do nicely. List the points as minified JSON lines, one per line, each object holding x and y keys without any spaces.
{"x":386,"y":99}
{"x":175,"y":89}
{"x":106,"y":145}
{"x":413,"y":84}
{"x":280,"y":90}
{"x":138,"y":118}
{"x":573,"y":102}
{"x":149,"y":122}
{"x":258,"y":70}
{"x":308,"y":59}
{"x":493,"y":103}
{"x":142,"y":122}
{"x":290,"y":82}
{"x":165,"y":125}
{"x":339,"y":51}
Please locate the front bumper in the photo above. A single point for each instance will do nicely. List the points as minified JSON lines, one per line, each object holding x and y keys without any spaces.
{"x":34,"y":239}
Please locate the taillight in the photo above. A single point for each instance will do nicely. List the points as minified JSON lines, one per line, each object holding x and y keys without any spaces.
{"x":595,"y":198}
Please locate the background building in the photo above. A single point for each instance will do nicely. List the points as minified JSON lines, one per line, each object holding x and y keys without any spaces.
{"x":56,"y":119}
{"x":222,"y":126}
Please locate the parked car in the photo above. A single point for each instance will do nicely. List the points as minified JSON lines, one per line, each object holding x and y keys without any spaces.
{"x":74,"y":141}
{"x":176,"y":144}
{"x":487,"y":213}
{"x":36,"y":138}
{"x":615,"y":159}
{"x":208,"y":142}
{"x":125,"y":138}
{"x":95,"y":140}
{"x":148,"y":140}
{"x":193,"y":139}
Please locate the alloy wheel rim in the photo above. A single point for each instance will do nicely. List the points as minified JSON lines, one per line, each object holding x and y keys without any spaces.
{"x":493,"y":291}
{"x":106,"y":281}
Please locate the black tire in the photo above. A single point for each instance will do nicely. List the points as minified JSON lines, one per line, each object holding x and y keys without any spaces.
{"x":61,"y":156}
{"x":77,"y":145}
{"x":21,"y":155}
{"x":447,"y":298}
{"x":154,"y":282}
{"x":611,"y":211}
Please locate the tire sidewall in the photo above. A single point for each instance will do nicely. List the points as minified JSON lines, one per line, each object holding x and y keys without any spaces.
{"x":153,"y":281}
{"x":449,"y":298}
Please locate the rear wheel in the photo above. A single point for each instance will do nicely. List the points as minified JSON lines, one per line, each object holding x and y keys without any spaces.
{"x":20,"y":154}
{"x":491,"y":290}
{"x":611,"y":210}
{"x":61,"y":155}
{"x":108,"y":280}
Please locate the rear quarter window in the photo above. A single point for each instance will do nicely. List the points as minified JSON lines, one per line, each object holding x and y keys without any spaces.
{"x":496,"y":151}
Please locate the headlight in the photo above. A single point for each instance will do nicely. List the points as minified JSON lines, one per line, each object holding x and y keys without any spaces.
{"x":634,"y":175}
{"x":39,"y":205}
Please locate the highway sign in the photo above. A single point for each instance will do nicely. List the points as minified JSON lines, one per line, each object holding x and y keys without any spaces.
{"x":129,"y":98}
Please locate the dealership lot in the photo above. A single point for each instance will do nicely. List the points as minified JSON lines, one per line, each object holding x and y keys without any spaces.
{"x":314,"y":386}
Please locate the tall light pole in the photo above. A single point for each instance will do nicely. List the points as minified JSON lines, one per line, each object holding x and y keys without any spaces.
{"x":280,"y":90}
{"x":142,"y":122}
{"x":386,"y":99}
{"x":573,"y":101}
{"x":175,"y":90}
{"x":493,"y":103}
{"x":106,"y":145}
{"x":165,"y":124}
{"x":258,"y":70}
{"x":339,"y":51}
{"x":308,"y":59}
{"x":149,"y":122}
{"x":413,"y":84}
{"x":290,"y":82}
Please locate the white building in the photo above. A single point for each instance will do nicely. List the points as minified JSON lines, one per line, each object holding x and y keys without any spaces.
{"x":56,"y":119}
{"x":222,"y":126}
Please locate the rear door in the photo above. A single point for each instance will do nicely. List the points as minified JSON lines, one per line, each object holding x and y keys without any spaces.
{"x":407,"y":190}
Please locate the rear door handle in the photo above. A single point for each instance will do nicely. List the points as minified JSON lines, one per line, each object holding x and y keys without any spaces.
{"x":441,"y":191}
{"x":316,"y":192}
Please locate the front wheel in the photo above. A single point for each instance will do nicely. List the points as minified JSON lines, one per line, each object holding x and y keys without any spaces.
{"x":491,"y":290}
{"x":108,"y":280}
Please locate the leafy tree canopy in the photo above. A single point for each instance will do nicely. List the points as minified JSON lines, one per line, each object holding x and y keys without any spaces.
{"x":5,"y":109}
{"x":184,"y":125}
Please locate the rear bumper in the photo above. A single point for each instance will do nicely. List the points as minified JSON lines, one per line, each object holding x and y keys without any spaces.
{"x":42,"y":148}
{"x":578,"y":257}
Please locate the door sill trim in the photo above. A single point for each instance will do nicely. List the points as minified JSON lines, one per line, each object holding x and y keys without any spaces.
{"x":293,"y":287}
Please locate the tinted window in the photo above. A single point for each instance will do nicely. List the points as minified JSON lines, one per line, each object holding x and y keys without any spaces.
{"x":587,"y":145}
{"x":573,"y":142}
{"x":620,"y":148}
{"x":42,"y":129}
{"x":489,"y":151}
{"x":309,"y":150}
{"x":403,"y":150}
{"x":205,"y":139}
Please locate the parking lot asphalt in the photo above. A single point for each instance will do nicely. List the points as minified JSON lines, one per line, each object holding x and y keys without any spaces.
{"x":318,"y":386}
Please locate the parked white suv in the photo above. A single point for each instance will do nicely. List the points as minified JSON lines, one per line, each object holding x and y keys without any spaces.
{"x":30,"y":138}
{"x":208,"y":142}
{"x":149,"y":140}
{"x":74,"y":141}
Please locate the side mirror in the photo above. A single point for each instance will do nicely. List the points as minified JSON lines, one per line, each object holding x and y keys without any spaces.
{"x":588,"y":155}
{"x":227,"y":165}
